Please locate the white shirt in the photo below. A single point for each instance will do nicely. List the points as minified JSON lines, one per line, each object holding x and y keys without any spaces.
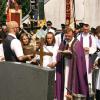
{"x":1,"y":52}
{"x":92,"y":49}
{"x":16,"y":46}
{"x":58,"y":39}
{"x":49,"y":59}
{"x":41,"y":33}
{"x":52,"y":30}
{"x":98,"y":81}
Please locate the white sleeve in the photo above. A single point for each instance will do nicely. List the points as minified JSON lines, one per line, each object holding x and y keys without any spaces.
{"x":1,"y":51}
{"x":17,"y":47}
{"x":55,"y":51}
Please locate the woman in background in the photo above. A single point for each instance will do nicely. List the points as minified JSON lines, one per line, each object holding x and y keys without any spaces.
{"x":27,"y":48}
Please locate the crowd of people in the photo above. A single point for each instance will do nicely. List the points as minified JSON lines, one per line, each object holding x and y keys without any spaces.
{"x":70,"y":52}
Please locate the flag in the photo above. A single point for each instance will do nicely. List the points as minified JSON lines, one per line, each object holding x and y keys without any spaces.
{"x":70,"y":20}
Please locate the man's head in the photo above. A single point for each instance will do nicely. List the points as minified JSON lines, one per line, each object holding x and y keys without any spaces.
{"x":86,"y":28}
{"x":69,"y":34}
{"x":13,"y":27}
{"x":63,"y":26}
{"x":49,"y":24}
{"x":76,"y":30}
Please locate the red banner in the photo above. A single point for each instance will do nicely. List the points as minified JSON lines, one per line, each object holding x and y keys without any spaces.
{"x":68,"y":11}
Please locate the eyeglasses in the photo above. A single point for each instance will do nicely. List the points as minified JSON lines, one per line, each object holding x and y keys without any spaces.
{"x":17,"y":27}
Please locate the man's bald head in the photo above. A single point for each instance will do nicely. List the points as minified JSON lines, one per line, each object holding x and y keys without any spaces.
{"x":12,"y":26}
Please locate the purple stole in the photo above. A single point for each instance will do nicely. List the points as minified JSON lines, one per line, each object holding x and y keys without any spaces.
{"x":90,"y":44}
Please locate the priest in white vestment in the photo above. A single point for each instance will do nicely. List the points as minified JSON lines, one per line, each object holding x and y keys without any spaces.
{"x":89,"y":44}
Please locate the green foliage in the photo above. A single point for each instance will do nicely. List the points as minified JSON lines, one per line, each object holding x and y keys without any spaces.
{"x":2,"y":11}
{"x":25,"y":7}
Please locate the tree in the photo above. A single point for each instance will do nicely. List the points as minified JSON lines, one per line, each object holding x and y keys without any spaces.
{"x":2,"y":11}
{"x":25,"y":6}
